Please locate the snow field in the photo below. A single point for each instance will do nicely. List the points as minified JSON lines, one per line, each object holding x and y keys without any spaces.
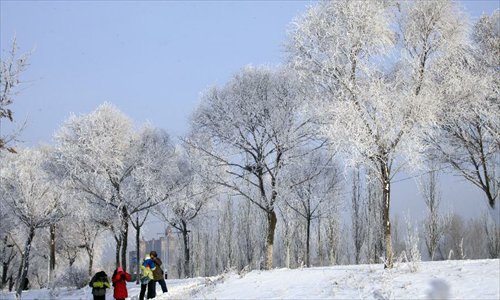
{"x":467,"y":279}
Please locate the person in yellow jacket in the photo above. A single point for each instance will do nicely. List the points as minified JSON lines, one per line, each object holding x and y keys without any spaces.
{"x":99,"y":283}
{"x":147,"y":267}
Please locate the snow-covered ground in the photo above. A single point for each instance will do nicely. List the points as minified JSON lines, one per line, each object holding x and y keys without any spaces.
{"x":469,"y":279}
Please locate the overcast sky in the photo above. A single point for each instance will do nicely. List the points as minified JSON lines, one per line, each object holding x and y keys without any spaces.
{"x":152,"y":59}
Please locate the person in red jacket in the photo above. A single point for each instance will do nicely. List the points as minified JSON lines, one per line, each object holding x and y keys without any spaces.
{"x":120,"y":278}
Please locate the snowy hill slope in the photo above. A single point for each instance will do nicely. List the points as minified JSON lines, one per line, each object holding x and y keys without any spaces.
{"x":475,"y":279}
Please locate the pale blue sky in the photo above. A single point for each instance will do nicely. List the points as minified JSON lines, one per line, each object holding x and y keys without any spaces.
{"x":152,"y":59}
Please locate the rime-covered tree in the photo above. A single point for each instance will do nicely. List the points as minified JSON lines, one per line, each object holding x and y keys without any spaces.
{"x":469,"y":139}
{"x":375,"y":65}
{"x":315,"y":183}
{"x":30,"y":195}
{"x":95,"y":150}
{"x":249,"y":128}
{"x":357,"y":215}
{"x":11,"y":68}
{"x":154,"y":179}
{"x":435,"y":223}
{"x":190,"y":196}
{"x":107,"y":159}
{"x":8,"y":251}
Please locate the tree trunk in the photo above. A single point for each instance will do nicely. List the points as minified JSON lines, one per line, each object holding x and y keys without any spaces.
{"x":5,"y":265}
{"x":320,"y":246}
{"x":25,"y":263}
{"x":52,"y":258}
{"x":185,"y":238}
{"x":124,"y":237}
{"x":357,"y":222}
{"x":117,"y":251}
{"x":288,"y":254}
{"x":138,"y":256}
{"x":90,"y":253}
{"x":386,"y":194}
{"x":5,"y":269}
{"x":271,"y":228}
{"x":308,"y":237}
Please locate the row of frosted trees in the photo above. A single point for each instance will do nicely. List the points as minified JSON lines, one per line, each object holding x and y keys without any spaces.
{"x":276,"y":156}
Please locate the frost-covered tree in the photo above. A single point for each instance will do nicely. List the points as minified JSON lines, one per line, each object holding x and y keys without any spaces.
{"x":492,"y":236}
{"x":315,"y":183}
{"x":8,"y":252}
{"x":250,"y":228}
{"x":469,"y":141}
{"x":104,"y":157}
{"x":375,"y":65}
{"x":11,"y":68}
{"x":435,"y":223}
{"x":191,"y":195}
{"x":154,"y":179}
{"x":358,"y":219}
{"x":89,"y":231}
{"x":95,"y":150}
{"x":249,"y":128}
{"x":30,"y":195}
{"x":453,"y":242}
{"x":8,"y":226}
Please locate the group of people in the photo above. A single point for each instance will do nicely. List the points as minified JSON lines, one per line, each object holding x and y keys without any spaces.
{"x":151,"y":273}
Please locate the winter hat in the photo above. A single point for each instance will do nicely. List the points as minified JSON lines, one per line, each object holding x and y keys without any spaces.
{"x":119,"y":270}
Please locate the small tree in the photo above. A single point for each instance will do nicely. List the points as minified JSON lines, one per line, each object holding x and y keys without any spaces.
{"x":11,"y":68}
{"x":193,"y":194}
{"x":435,"y":223}
{"x":31,"y":197}
{"x":358,"y":219}
{"x":314,"y":186}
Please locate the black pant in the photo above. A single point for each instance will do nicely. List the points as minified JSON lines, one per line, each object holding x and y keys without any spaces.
{"x":163,"y":285}
{"x":151,"y":286}
{"x":103,"y":297}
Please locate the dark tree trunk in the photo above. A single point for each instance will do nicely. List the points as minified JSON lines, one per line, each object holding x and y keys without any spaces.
{"x":52,"y":259}
{"x":308,"y":237}
{"x":124,"y":238}
{"x":386,"y":195}
{"x":5,"y":269}
{"x":117,"y":251}
{"x":25,"y":263}
{"x":138,"y":256}
{"x":185,"y":238}
{"x":5,"y":263}
{"x":320,"y":244}
{"x":271,"y":228}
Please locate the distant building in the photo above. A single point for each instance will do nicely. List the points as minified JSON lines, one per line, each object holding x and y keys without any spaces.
{"x":165,"y":246}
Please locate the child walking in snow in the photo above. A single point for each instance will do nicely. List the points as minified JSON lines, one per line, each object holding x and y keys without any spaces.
{"x":120,"y":278}
{"x":99,"y":283}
